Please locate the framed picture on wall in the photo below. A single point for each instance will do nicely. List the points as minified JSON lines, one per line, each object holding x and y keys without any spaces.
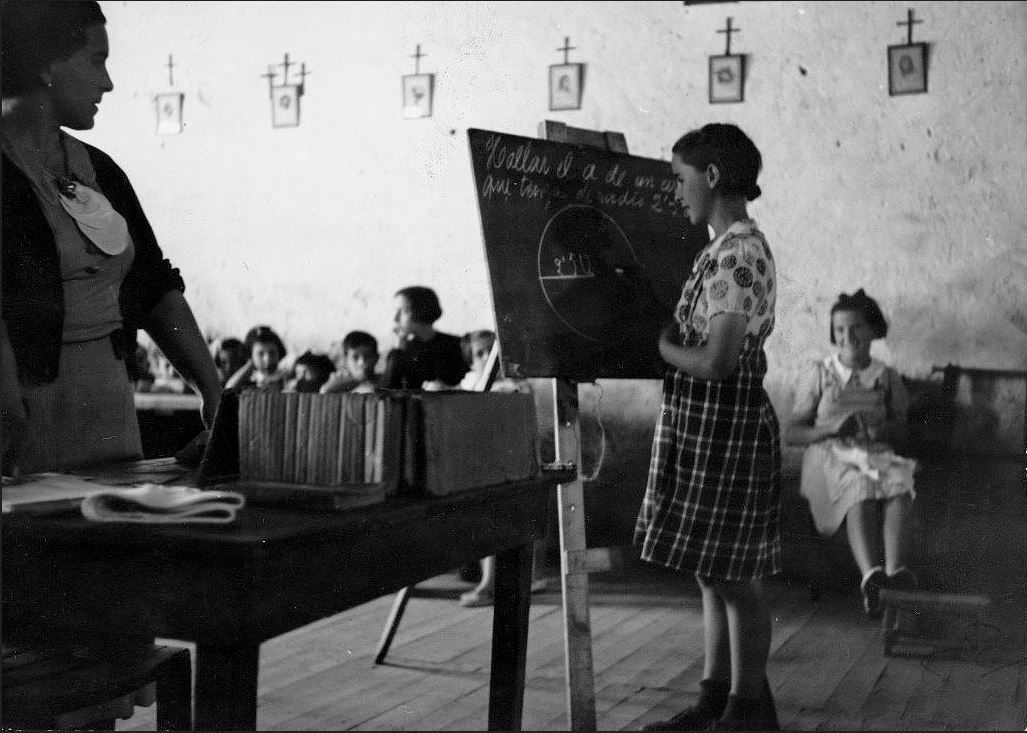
{"x":727,"y":78}
{"x":285,"y":105}
{"x":565,"y":86}
{"x":907,"y":69}
{"x":169,"y":113}
{"x":417,"y":94}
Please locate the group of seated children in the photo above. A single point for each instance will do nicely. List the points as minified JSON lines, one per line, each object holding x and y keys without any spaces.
{"x":423,"y":358}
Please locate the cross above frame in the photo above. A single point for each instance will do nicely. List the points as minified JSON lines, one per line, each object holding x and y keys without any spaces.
{"x":728,"y":31}
{"x":909,"y":23}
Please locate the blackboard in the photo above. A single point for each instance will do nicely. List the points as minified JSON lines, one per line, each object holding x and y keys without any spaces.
{"x":587,"y":251}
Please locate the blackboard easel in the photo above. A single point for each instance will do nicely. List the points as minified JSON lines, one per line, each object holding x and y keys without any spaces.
{"x":577,"y":560}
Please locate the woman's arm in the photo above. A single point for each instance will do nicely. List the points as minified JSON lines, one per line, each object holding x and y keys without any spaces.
{"x":716,"y":359}
{"x":172,"y":326}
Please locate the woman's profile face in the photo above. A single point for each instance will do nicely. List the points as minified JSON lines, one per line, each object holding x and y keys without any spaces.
{"x":403,"y":321}
{"x":693,"y":191}
{"x":852,"y":336}
{"x":81,"y":80}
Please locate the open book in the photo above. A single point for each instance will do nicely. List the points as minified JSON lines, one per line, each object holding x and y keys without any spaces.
{"x":158,"y":504}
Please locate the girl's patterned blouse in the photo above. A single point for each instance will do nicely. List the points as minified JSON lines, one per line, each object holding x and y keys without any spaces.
{"x":734,"y":274}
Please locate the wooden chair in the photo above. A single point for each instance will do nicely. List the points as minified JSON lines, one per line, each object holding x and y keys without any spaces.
{"x":74,"y":687}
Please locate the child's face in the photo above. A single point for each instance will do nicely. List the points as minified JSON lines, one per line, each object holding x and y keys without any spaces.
{"x":307,"y":374}
{"x":264,"y":357}
{"x":360,"y":362}
{"x":480,"y":349}
{"x":852,"y":336}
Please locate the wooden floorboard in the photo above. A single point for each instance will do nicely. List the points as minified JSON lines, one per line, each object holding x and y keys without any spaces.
{"x":827,"y":665}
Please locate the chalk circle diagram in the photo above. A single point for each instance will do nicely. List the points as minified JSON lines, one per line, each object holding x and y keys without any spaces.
{"x":589,"y":274}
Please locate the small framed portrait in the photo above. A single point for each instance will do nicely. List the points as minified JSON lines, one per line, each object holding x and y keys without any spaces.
{"x":727,"y":78}
{"x":169,"y":113}
{"x":907,"y":69}
{"x":417,"y":95}
{"x":565,"y":86}
{"x":285,"y":105}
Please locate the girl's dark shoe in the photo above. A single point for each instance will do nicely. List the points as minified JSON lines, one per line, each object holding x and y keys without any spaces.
{"x":871,"y":590}
{"x":713,"y":697}
{"x":902,"y":579}
{"x":743,"y":714}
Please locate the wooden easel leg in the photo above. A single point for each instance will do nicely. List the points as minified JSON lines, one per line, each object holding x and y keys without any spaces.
{"x":577,"y":625}
{"x":392,"y":624}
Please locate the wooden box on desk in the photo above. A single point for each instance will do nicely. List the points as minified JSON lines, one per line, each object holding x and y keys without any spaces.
{"x":333,"y":451}
{"x":457,"y":441}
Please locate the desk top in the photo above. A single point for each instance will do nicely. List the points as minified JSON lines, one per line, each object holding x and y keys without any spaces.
{"x":258,"y":530}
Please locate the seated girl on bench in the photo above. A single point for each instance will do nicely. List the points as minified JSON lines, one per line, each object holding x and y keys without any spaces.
{"x":850,"y":413}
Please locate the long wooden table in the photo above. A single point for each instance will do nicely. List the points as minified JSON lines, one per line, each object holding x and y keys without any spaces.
{"x":230,"y":587}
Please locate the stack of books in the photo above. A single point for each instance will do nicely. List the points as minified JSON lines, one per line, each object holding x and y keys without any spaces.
{"x":346,"y":450}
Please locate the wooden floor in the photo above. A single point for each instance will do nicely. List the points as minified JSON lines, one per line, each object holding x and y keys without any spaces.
{"x":827,"y":665}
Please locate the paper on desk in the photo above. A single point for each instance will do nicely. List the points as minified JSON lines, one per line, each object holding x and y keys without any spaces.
{"x":46,"y":488}
{"x":160,"y":504}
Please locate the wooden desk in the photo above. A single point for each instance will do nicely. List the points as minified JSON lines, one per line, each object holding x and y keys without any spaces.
{"x":230,"y":587}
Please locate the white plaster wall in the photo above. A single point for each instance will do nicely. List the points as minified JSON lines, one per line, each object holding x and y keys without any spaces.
{"x":918,"y":198}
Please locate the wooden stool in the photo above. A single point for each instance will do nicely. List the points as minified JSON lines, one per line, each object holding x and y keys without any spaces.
{"x":47,"y":688}
{"x":898,"y":605}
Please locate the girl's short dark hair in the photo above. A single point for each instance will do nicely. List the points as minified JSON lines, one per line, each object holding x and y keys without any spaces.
{"x":860,"y":302}
{"x":359,"y":339}
{"x":320,"y":362}
{"x":726,"y":146}
{"x":424,"y":303}
{"x":37,"y":34}
{"x":264,"y":335}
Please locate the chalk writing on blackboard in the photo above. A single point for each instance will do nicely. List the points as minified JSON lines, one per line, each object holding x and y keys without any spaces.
{"x":587,"y":252}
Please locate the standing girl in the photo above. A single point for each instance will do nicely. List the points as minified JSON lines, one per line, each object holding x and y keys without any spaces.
{"x":712,"y":498}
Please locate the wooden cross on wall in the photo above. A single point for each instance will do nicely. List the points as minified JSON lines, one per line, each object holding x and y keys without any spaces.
{"x":566,"y":48}
{"x":285,"y":68}
{"x":728,"y":31}
{"x":417,"y":56}
{"x":909,"y":23}
{"x":271,"y":75}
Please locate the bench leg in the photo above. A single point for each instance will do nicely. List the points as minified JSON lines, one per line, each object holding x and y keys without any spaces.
{"x":392,"y":624}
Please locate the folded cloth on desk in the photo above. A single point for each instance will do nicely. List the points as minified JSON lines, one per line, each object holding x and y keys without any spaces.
{"x":158,"y":504}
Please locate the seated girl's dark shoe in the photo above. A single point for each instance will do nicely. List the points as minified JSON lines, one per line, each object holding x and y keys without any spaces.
{"x":902,"y":579}
{"x":871,"y":590}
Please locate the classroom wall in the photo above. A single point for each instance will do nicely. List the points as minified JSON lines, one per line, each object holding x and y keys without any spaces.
{"x":917,"y":198}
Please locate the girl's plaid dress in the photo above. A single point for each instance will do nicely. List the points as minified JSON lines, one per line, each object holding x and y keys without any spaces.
{"x":712,"y":499}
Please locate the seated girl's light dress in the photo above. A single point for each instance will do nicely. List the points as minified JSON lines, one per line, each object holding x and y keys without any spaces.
{"x":838,"y":473}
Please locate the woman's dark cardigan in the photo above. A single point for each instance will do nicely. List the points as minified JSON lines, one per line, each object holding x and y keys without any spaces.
{"x":33,"y":296}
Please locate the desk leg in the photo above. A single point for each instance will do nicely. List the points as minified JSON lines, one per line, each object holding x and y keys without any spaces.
{"x":226,"y":687}
{"x":510,"y":637}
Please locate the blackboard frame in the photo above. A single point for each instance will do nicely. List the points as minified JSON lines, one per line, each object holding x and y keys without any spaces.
{"x":587,"y":250}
